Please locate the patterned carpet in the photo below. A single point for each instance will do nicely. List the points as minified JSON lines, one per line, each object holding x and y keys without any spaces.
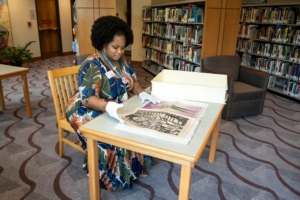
{"x":258,"y":157}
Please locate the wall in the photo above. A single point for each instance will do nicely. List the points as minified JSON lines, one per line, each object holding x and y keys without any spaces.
{"x":137,"y":26}
{"x":21,"y":33}
{"x":121,"y":6}
{"x":65,"y":25}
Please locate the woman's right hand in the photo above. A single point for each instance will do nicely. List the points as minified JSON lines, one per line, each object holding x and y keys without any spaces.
{"x":111,"y":108}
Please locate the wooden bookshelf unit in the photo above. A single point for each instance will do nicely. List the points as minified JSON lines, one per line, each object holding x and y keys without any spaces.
{"x":269,"y":40}
{"x":177,"y":35}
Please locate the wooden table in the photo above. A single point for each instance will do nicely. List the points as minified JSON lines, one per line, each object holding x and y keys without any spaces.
{"x":102,"y":129}
{"x":7,"y":71}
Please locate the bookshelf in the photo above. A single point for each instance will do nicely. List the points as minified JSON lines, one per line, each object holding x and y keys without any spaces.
{"x":175,"y":36}
{"x":269,"y":40}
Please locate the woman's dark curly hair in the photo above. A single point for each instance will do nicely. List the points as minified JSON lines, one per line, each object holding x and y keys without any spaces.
{"x":105,"y":28}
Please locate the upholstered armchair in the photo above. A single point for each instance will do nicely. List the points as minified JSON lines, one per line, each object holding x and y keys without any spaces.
{"x":246,"y":87}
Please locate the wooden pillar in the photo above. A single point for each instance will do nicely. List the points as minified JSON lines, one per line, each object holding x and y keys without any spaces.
{"x":87,"y":12}
{"x":221,"y":26}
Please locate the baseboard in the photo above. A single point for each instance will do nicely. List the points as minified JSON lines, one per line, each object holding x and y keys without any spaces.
{"x":69,"y":53}
{"x":127,"y":53}
{"x":136,"y":63}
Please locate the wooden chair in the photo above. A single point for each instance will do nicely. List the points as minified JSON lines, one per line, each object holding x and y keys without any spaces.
{"x":63,"y":83}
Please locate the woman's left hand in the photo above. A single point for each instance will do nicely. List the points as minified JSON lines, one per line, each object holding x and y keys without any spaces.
{"x":145,"y":96}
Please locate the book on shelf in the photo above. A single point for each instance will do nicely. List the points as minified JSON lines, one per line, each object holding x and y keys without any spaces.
{"x":261,"y":49}
{"x":290,"y":71}
{"x":284,"y":68}
{"x":272,"y":81}
{"x":161,"y":14}
{"x":295,"y":92}
{"x":265,"y":15}
{"x":174,"y":121}
{"x":195,"y":13}
{"x":296,"y":73}
{"x":246,"y":59}
{"x":181,"y":66}
{"x":296,"y":37}
{"x":257,"y":15}
{"x":267,"y":50}
{"x":254,"y":47}
{"x":270,"y":66}
{"x":280,"y":52}
{"x":196,"y":54}
{"x":173,"y":14}
{"x":197,"y":35}
{"x":290,"y":88}
{"x":244,"y":15}
{"x":146,"y":52}
{"x":283,"y":15}
{"x":190,"y":34}
{"x":185,"y":14}
{"x":177,"y":14}
{"x":154,"y":16}
{"x":260,"y":63}
{"x":274,"y":51}
{"x":176,"y":63}
{"x":287,"y":52}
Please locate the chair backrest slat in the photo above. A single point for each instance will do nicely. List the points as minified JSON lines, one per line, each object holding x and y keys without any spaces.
{"x":71,"y":84}
{"x":63,"y":84}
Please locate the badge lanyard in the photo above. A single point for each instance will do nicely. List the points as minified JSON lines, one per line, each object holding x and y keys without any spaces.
{"x":112,"y":66}
{"x":114,"y":69}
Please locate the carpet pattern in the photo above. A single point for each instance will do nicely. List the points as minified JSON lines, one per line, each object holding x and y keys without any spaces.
{"x":258,"y":157}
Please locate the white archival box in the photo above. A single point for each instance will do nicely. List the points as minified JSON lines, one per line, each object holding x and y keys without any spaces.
{"x":193,"y":86}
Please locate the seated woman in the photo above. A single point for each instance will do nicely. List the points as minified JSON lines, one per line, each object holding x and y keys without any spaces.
{"x":104,"y":79}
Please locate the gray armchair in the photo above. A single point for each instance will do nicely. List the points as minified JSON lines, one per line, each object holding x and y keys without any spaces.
{"x":246,"y":87}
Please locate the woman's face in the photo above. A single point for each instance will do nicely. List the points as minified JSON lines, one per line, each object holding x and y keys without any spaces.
{"x":115,"y":49}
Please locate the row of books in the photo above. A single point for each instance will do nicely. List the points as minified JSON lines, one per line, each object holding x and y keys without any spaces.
{"x":284,"y":15}
{"x":168,"y":61}
{"x":279,"y":68}
{"x":272,"y":50}
{"x":190,"y":53}
{"x":182,"y":65}
{"x":289,"y":87}
{"x":157,"y":43}
{"x":277,"y":33}
{"x":189,"y":34}
{"x":189,"y":14}
{"x":292,"y":89}
{"x":161,"y":58}
{"x":276,"y":67}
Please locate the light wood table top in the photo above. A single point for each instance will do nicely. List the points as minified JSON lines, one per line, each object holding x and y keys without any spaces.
{"x":8,"y":71}
{"x":102,"y":129}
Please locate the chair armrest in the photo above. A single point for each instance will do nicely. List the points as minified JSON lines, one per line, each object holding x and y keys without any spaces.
{"x":254,"y":77}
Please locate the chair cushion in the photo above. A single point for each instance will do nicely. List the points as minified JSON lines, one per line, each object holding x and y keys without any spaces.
{"x":245,"y":92}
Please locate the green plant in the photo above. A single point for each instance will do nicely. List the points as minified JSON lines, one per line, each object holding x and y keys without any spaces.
{"x":17,"y":55}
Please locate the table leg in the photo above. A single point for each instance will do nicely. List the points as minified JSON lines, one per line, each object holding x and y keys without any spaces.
{"x":2,"y":101}
{"x":93,"y":169}
{"x":185,"y":182}
{"x":26,"y":95}
{"x":214,"y":140}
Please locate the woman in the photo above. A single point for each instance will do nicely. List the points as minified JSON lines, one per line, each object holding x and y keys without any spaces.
{"x":104,"y":79}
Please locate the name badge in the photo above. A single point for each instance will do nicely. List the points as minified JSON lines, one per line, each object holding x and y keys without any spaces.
{"x":124,"y":80}
{"x":110,"y":74}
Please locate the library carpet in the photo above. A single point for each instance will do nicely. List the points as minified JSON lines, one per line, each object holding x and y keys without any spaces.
{"x":258,"y":157}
